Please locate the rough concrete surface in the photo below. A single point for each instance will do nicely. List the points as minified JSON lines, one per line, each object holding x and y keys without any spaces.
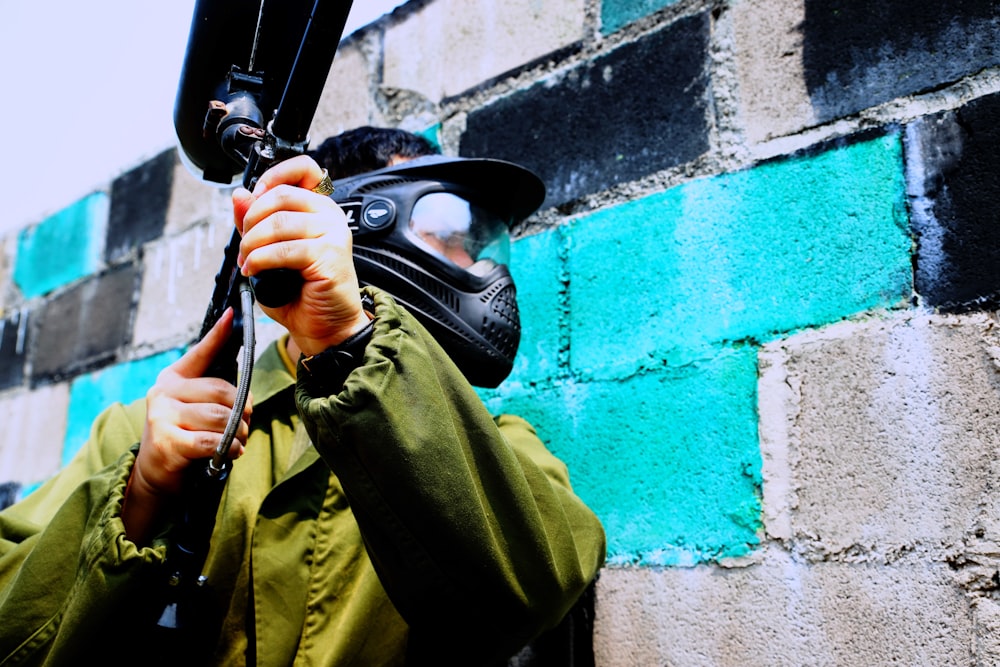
{"x":893,"y":424}
{"x":440,"y":52}
{"x":34,"y":425}
{"x":782,"y":612}
{"x":766,"y":55}
{"x":177,"y":282}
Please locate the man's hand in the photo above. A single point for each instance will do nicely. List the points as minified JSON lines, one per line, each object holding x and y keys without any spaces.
{"x":186,"y":415}
{"x":285,"y":225}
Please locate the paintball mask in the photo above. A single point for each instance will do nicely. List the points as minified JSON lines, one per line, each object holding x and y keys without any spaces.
{"x":434,"y":233}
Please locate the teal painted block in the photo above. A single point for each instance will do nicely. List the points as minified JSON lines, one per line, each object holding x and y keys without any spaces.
{"x":433,"y":135}
{"x":669,"y":461}
{"x":91,"y":394}
{"x":745,"y":256}
{"x":27,"y":490}
{"x":617,"y":14}
{"x":538,"y":271}
{"x":62,"y":248}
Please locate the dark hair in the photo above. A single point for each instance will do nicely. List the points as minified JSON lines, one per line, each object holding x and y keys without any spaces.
{"x":367,"y":148}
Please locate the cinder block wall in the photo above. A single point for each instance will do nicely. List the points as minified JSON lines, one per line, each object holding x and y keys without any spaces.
{"x":759,"y":303}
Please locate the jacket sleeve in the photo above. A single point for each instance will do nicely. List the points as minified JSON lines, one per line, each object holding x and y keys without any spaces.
{"x":470,"y":522}
{"x":65,"y":564}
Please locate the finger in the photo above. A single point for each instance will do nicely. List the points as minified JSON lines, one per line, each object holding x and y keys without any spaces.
{"x":300,"y":255}
{"x":194,"y":445}
{"x":301,"y":171}
{"x":212,"y":417}
{"x":195,"y":390}
{"x":198,"y":358}
{"x":285,"y":218}
{"x":190,"y":446}
{"x":208,"y":414}
{"x":194,"y":434}
{"x":242,"y":201}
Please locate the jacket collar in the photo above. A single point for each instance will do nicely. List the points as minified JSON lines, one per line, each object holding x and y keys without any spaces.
{"x":270,"y":375}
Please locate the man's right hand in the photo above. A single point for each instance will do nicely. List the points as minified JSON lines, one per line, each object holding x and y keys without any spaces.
{"x":186,"y":415}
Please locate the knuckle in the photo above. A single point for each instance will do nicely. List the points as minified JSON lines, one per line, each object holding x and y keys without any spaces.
{"x":205,"y":443}
{"x":219,"y":414}
{"x":283,"y":194}
{"x":283,"y":251}
{"x":279,"y":224}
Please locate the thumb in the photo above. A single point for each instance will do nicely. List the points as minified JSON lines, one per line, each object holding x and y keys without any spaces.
{"x":197,"y":360}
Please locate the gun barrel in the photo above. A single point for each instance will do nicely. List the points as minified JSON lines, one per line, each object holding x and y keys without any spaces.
{"x":312,"y":65}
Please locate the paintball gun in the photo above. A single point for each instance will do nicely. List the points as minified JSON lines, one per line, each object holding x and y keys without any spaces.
{"x":250,"y":83}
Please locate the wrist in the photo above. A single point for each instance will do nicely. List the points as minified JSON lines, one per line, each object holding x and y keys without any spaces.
{"x":324,"y":374}
{"x":141,"y":507}
{"x":310,"y":347}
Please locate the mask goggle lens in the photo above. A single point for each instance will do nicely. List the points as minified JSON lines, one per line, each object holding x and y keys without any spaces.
{"x":459,"y":231}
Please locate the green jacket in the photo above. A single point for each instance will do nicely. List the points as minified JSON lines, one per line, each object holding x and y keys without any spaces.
{"x":435,"y":512}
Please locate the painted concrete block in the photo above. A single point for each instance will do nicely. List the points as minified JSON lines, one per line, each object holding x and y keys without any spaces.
{"x":84,"y":326}
{"x":536,"y":265}
{"x":139,"y":202}
{"x":13,"y":348}
{"x":34,"y":429}
{"x":438,"y":51}
{"x":891,"y":429}
{"x":749,"y":255}
{"x":636,"y":110}
{"x":669,"y":461}
{"x":177,"y":282}
{"x":951,"y":161}
{"x":617,"y":14}
{"x":64,"y":247}
{"x":90,"y":394}
{"x":782,"y":612}
{"x":8,"y":493}
{"x":859,"y":54}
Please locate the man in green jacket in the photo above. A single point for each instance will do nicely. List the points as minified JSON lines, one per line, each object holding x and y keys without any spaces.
{"x":376,"y":514}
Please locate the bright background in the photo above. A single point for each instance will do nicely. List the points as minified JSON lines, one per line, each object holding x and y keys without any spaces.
{"x":88,"y":92}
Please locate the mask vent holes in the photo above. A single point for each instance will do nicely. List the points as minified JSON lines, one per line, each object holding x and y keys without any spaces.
{"x":503,"y":330}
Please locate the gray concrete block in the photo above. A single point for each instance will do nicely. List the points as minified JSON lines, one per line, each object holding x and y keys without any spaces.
{"x":347,"y":100}
{"x":781,"y":611}
{"x":193,"y":201}
{"x":178,"y":279}
{"x":34,"y":429}
{"x":883,"y":440}
{"x":766,"y":52}
{"x":449,"y":46}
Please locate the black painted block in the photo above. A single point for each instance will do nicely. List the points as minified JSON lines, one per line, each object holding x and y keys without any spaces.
{"x":955,"y":206}
{"x":8,"y":494}
{"x":84,"y":327}
{"x":139,"y":201}
{"x":13,"y":349}
{"x":859,"y":53}
{"x":636,"y":110}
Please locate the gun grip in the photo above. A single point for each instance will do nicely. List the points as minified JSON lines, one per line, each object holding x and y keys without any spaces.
{"x":277,"y":287}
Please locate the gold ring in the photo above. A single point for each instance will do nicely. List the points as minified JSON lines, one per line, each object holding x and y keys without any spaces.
{"x":325,"y":186}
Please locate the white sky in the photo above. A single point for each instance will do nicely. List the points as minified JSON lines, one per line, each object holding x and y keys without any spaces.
{"x":87,"y":92}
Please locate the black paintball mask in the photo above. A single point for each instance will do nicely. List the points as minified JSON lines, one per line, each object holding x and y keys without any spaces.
{"x":434,"y":232}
